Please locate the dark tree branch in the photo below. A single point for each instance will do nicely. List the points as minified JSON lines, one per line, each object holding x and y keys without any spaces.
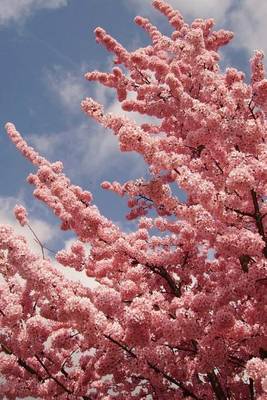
{"x":23,"y":363}
{"x":198,"y":150}
{"x":60,"y":384}
{"x":257,"y":215}
{"x":185,"y":348}
{"x":263,"y":352}
{"x":185,"y":259}
{"x":244,"y":261}
{"x":218,"y":166}
{"x":145,"y":79}
{"x":176,"y":290}
{"x":62,"y":369}
{"x":186,"y":391}
{"x":141,"y":196}
{"x":251,"y":109}
{"x":251,"y":389}
{"x":32,"y":371}
{"x":258,"y":218}
{"x":243,"y":213}
{"x":53,"y":377}
{"x":216,"y":386}
{"x":237,"y":361}
{"x":122,"y":346}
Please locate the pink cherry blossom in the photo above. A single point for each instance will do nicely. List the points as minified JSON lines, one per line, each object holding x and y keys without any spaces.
{"x":21,"y":214}
{"x":178,"y":305}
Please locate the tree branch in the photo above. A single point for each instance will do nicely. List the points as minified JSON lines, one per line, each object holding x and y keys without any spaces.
{"x":23,"y":363}
{"x":53,"y":377}
{"x":218,"y":166}
{"x":192,"y":349}
{"x":186,"y":391}
{"x":244,"y":260}
{"x":243,"y":213}
{"x":251,"y":109}
{"x":122,"y":346}
{"x":176,"y":290}
{"x":258,"y":217}
{"x":216,"y":386}
{"x":251,"y":389}
{"x":37,"y":240}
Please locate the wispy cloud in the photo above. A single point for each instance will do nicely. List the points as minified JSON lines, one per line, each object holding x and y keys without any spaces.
{"x":71,"y":273}
{"x":86,"y":151}
{"x":249,"y":22}
{"x":42,"y":229}
{"x":19,"y":10}
{"x":69,"y":87}
{"x":246,"y":18}
{"x":93,"y":148}
{"x":189,"y":8}
{"x":46,"y":233}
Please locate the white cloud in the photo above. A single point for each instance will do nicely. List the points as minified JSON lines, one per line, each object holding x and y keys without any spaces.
{"x":76,"y":276}
{"x":45,"y":143}
{"x":95,"y":149}
{"x":87,"y":151}
{"x":246,"y":18}
{"x":188,"y":8}
{"x":249,"y":23}
{"x":19,"y":10}
{"x":71,"y":273}
{"x":42,"y":229}
{"x":45,"y":233}
{"x":69,"y":87}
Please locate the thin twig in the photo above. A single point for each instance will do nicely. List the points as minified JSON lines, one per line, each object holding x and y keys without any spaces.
{"x":53,"y":377}
{"x":186,"y":391}
{"x":122,"y":346}
{"x":37,"y":239}
{"x":145,"y":198}
{"x":251,"y":109}
{"x":258,"y":218}
{"x":243,"y":213}
{"x":39,"y":242}
{"x":23,"y":363}
{"x":176,"y":170}
{"x":218,"y":166}
{"x":62,"y":369}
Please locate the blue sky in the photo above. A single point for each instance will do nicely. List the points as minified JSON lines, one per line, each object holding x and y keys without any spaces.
{"x":46,"y":46}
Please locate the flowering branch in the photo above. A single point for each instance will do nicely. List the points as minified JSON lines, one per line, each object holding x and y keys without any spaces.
{"x":161,"y":271}
{"x":186,"y":391}
{"x":216,"y":386}
{"x":23,"y":364}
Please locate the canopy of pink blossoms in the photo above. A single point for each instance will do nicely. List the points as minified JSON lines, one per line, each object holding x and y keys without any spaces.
{"x":167,"y":320}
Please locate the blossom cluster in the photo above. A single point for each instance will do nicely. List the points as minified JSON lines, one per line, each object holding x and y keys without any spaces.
{"x":167,"y":320}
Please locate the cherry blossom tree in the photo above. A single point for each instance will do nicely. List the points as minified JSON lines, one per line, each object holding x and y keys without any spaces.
{"x":167,"y":320}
